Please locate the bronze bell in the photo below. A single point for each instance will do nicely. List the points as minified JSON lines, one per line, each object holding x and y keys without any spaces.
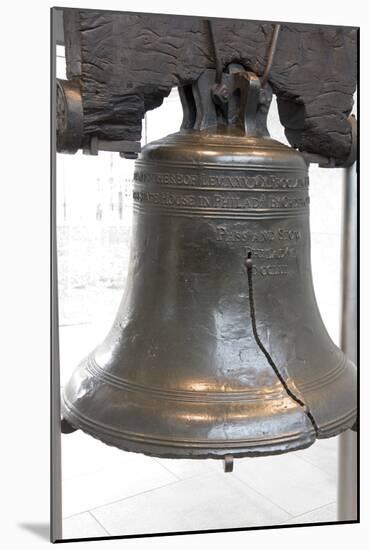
{"x":218,"y":347}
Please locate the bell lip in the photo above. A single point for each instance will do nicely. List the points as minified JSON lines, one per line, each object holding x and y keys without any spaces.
{"x":153,"y":450}
{"x":196,"y":454}
{"x":176,"y":448}
{"x":284,"y":445}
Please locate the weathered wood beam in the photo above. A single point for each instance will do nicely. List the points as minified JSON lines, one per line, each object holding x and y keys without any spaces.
{"x":128,"y":62}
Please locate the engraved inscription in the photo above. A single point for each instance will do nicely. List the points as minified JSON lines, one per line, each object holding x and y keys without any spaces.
{"x":268,"y":248}
{"x":273,"y":253}
{"x":221,"y":200}
{"x":224,"y":233}
{"x":273,"y":270}
{"x":259,"y":181}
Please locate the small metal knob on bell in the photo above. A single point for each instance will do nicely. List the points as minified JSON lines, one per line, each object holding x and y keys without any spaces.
{"x":181,"y":372}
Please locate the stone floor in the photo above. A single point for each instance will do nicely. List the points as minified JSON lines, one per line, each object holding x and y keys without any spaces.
{"x":110,"y":492}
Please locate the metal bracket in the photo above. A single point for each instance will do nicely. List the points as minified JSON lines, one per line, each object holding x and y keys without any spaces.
{"x":353,"y":152}
{"x":126,"y":149}
{"x":69,"y":116}
{"x":324,"y":162}
{"x":70,"y":128}
{"x":237,"y":102}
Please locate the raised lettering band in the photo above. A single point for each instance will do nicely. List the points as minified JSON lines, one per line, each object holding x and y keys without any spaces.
{"x":235,"y":180}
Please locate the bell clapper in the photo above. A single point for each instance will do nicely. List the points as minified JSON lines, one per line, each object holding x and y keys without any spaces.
{"x":228,"y":463}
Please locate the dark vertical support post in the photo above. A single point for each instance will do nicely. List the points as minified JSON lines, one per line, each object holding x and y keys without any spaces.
{"x":55,"y":466}
{"x":347,"y":458}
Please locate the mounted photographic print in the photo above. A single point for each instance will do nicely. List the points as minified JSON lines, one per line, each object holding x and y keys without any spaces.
{"x":204,"y":274}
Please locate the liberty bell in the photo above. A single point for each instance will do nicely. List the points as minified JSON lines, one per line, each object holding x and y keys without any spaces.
{"x":218,"y":349}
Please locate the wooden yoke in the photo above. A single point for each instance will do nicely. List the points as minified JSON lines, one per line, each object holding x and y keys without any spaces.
{"x":127,"y":63}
